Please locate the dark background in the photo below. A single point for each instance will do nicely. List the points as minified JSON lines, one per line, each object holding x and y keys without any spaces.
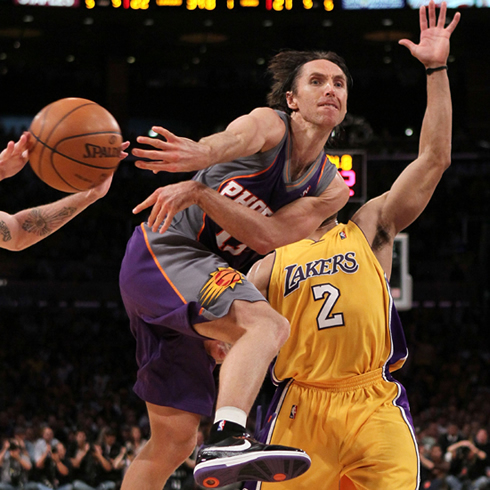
{"x":193,"y":72}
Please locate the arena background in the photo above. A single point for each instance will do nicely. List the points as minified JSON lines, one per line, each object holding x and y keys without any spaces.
{"x":65,"y":345}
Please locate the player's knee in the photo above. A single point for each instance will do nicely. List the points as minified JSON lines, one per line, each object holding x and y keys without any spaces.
{"x":184,"y":448}
{"x":177,"y":446}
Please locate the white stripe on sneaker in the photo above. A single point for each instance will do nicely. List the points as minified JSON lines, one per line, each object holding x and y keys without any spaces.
{"x":242,"y":447}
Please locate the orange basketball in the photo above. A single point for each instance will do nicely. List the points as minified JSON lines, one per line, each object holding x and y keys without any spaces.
{"x":74,"y":144}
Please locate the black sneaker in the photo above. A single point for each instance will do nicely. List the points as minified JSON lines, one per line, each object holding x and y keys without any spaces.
{"x":242,"y":458}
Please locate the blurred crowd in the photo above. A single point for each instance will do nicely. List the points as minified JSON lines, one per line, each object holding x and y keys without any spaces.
{"x":68,"y":415}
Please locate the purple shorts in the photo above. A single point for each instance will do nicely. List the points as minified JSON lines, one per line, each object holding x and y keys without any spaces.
{"x":169,"y":283}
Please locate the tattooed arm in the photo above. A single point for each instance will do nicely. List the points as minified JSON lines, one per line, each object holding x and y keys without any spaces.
{"x":25,"y":228}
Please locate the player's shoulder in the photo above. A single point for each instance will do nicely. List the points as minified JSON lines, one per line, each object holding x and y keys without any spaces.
{"x":270,"y":125}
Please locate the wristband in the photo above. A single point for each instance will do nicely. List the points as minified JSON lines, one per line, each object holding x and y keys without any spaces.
{"x":430,"y":71}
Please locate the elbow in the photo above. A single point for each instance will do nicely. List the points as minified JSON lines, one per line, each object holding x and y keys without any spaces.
{"x":263,"y":241}
{"x":264,"y":247}
{"x":15,"y":247}
{"x":446,"y":163}
{"x":441,"y":159}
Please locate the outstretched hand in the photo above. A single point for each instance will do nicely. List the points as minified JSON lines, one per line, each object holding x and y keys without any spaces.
{"x":433,"y":48}
{"x":175,"y":154}
{"x":167,"y":202}
{"x":14,"y":157}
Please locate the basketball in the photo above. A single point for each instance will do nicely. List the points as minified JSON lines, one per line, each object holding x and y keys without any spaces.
{"x":74,"y":144}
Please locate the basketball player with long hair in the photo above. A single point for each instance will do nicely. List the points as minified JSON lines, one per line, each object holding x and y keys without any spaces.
{"x":263,"y":182}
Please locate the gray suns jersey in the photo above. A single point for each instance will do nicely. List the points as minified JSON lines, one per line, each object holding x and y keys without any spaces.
{"x":261,"y":182}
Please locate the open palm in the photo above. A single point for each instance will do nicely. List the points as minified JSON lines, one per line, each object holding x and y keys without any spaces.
{"x":433,"y":48}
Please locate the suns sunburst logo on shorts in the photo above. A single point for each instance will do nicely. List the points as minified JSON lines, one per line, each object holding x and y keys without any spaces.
{"x":220,"y":280}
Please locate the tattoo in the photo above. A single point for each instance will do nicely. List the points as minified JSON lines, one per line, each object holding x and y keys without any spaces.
{"x":5,"y":232}
{"x":41,"y":223}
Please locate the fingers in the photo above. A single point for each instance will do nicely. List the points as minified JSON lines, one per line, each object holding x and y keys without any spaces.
{"x":450,"y":28}
{"x":423,"y":18}
{"x":407,"y":43}
{"x":123,"y":154}
{"x":155,"y":155}
{"x":159,"y":214}
{"x":146,"y":140}
{"x":432,"y":14}
{"x":165,"y":133}
{"x":6,"y":154}
{"x":149,"y":201}
{"x":441,"y":21}
{"x":158,"y":166}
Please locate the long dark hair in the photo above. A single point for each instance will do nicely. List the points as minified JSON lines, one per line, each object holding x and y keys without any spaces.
{"x":285,"y":68}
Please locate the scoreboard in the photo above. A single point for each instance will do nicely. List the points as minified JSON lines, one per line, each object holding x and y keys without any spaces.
{"x":263,"y":5}
{"x":352,"y":165}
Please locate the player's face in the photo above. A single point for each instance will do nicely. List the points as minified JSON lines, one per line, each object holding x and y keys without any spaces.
{"x":320,"y":94}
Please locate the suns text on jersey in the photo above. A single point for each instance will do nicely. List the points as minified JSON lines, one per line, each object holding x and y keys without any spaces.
{"x":296,"y":274}
{"x":239,"y":194}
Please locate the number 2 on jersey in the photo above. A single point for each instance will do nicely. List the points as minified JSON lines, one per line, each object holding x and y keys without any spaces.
{"x":330,"y":294}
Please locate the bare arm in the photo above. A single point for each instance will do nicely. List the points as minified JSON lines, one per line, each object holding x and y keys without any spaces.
{"x":383,"y":217}
{"x":80,"y":454}
{"x":261,"y":233}
{"x":27,"y":227}
{"x":260,"y":130}
{"x":105,"y":463}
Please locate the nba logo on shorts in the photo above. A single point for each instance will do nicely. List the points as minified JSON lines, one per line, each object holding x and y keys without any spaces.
{"x":292,"y":414}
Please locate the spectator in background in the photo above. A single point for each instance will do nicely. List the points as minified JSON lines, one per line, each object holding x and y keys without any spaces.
{"x":43,"y":445}
{"x":130,"y":449}
{"x":111,"y":449}
{"x":480,"y":474}
{"x":15,"y":466}
{"x":81,"y":461}
{"x":91,"y":470}
{"x":26,"y":445}
{"x":449,"y":437}
{"x":56,"y":471}
{"x":466,"y":463}
{"x":435,"y":470}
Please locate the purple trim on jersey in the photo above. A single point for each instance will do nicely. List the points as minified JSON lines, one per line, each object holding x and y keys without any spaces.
{"x":269,"y":187}
{"x":398,"y":341}
{"x":401,"y":400}
{"x":399,"y":352}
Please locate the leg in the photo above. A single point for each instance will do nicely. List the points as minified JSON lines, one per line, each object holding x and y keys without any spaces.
{"x":257,"y":332}
{"x":173,"y":438}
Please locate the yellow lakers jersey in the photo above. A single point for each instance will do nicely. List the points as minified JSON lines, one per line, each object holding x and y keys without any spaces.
{"x":337,"y":299}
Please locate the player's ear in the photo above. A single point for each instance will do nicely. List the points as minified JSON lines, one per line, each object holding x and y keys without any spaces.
{"x":291,"y":101}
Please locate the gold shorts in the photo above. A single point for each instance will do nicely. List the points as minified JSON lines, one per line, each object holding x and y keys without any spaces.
{"x":357,"y":433}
